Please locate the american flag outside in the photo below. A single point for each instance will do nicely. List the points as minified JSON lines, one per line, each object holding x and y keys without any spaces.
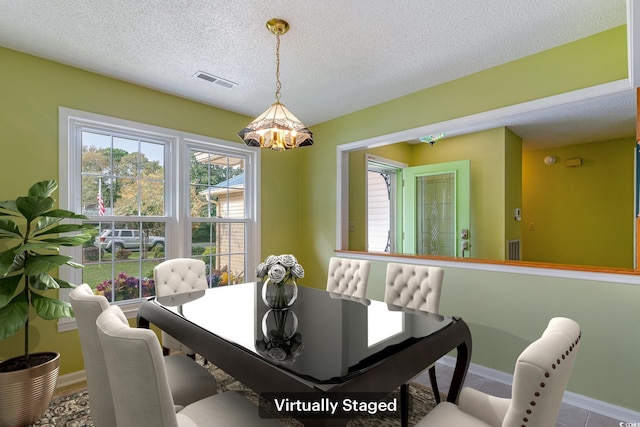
{"x":100,"y":204}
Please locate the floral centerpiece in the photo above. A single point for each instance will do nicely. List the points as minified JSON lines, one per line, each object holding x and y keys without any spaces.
{"x":280,"y":289}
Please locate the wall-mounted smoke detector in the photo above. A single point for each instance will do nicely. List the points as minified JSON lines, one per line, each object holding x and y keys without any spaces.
{"x":215,"y":79}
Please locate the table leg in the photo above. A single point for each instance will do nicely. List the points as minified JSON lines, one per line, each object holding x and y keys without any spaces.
{"x":404,"y":405}
{"x":462,"y":365}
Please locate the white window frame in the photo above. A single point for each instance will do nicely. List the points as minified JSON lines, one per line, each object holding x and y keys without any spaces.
{"x":176,"y":189}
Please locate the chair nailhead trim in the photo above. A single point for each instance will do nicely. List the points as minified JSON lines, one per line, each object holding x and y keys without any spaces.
{"x":547,"y":375}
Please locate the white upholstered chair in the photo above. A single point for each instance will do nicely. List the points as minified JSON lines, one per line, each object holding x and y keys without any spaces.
{"x":140,"y":388}
{"x":540,"y":378}
{"x":173,"y":278}
{"x":188,"y":380}
{"x":415,"y":287}
{"x":348,"y":278}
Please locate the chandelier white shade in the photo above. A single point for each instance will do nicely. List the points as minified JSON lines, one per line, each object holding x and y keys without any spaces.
{"x":277,"y":128}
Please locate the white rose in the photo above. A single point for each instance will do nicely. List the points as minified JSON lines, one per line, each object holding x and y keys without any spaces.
{"x":287,"y":260}
{"x":271,"y":259}
{"x":277,"y":273}
{"x":261,"y":270}
{"x":297,"y":271}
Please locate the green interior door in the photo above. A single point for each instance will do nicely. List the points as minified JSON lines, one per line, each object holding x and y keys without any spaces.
{"x":436,"y":208}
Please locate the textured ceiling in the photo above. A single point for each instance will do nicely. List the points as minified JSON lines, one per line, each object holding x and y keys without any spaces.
{"x":338,"y":57}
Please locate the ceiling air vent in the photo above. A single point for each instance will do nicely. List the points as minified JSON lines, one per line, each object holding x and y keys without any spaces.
{"x":215,"y":80}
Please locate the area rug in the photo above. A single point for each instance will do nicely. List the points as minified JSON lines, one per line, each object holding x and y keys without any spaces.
{"x":73,"y":410}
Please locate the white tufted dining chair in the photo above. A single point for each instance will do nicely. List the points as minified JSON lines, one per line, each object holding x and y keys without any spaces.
{"x":540,"y":378}
{"x":348,"y":278}
{"x":188,"y":381}
{"x":173,"y":278}
{"x":416,"y":287}
{"x":140,"y":389}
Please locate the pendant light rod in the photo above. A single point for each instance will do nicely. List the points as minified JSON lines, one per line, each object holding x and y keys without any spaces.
{"x":278,"y":27}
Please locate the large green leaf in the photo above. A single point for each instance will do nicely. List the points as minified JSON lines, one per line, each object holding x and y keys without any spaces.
{"x":36,"y":245}
{"x":9,"y":229}
{"x":61,"y":213}
{"x":13,"y":316}
{"x":9,"y":205}
{"x":8,"y":286}
{"x":43,"y":188}
{"x":43,"y":282}
{"x":44,"y":223}
{"x":34,"y":206}
{"x":64,"y":228}
{"x":37,"y":264}
{"x":49,"y":308}
{"x":64,"y":283}
{"x":75,"y":240}
{"x":6,"y":260}
{"x":14,"y":259}
{"x":74,"y":264}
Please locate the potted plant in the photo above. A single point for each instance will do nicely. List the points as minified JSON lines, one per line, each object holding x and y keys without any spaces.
{"x":31,"y":234}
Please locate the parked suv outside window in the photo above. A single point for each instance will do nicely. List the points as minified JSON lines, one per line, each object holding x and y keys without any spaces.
{"x":118,"y":239}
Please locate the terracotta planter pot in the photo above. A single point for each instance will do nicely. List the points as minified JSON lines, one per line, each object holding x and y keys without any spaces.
{"x":26,"y":394}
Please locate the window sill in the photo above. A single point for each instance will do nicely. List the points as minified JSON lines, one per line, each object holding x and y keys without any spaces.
{"x":599,"y":274}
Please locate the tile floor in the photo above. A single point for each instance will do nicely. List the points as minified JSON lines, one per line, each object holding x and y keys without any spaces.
{"x":569,"y":416}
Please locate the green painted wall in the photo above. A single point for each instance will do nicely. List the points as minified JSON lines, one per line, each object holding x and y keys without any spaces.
{"x":513,"y":187}
{"x":567,"y":209}
{"x":505,"y":310}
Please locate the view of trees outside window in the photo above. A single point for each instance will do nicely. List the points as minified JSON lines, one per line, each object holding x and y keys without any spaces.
{"x":123,"y":192}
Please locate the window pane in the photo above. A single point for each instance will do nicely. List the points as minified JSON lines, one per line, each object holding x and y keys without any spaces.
{"x":222,"y":248}
{"x":151,"y":198}
{"x":216,"y":186}
{"x":119,"y":261}
{"x":125,"y":196}
{"x":203,"y":239}
{"x":127,"y":174}
{"x":95,"y":149}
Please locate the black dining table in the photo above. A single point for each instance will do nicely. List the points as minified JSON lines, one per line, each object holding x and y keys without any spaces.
{"x":323,"y":349}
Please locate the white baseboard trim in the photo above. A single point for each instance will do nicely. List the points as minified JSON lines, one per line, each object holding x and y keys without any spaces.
{"x":570,"y":398}
{"x":71,"y":379}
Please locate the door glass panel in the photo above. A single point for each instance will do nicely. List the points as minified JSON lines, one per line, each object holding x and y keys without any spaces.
{"x":436,"y":208}
{"x":435,"y":215}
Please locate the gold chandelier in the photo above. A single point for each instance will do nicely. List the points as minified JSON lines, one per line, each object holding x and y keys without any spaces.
{"x":277,"y":128}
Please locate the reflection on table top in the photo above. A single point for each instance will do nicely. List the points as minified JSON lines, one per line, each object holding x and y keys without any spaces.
{"x":322,"y":337}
